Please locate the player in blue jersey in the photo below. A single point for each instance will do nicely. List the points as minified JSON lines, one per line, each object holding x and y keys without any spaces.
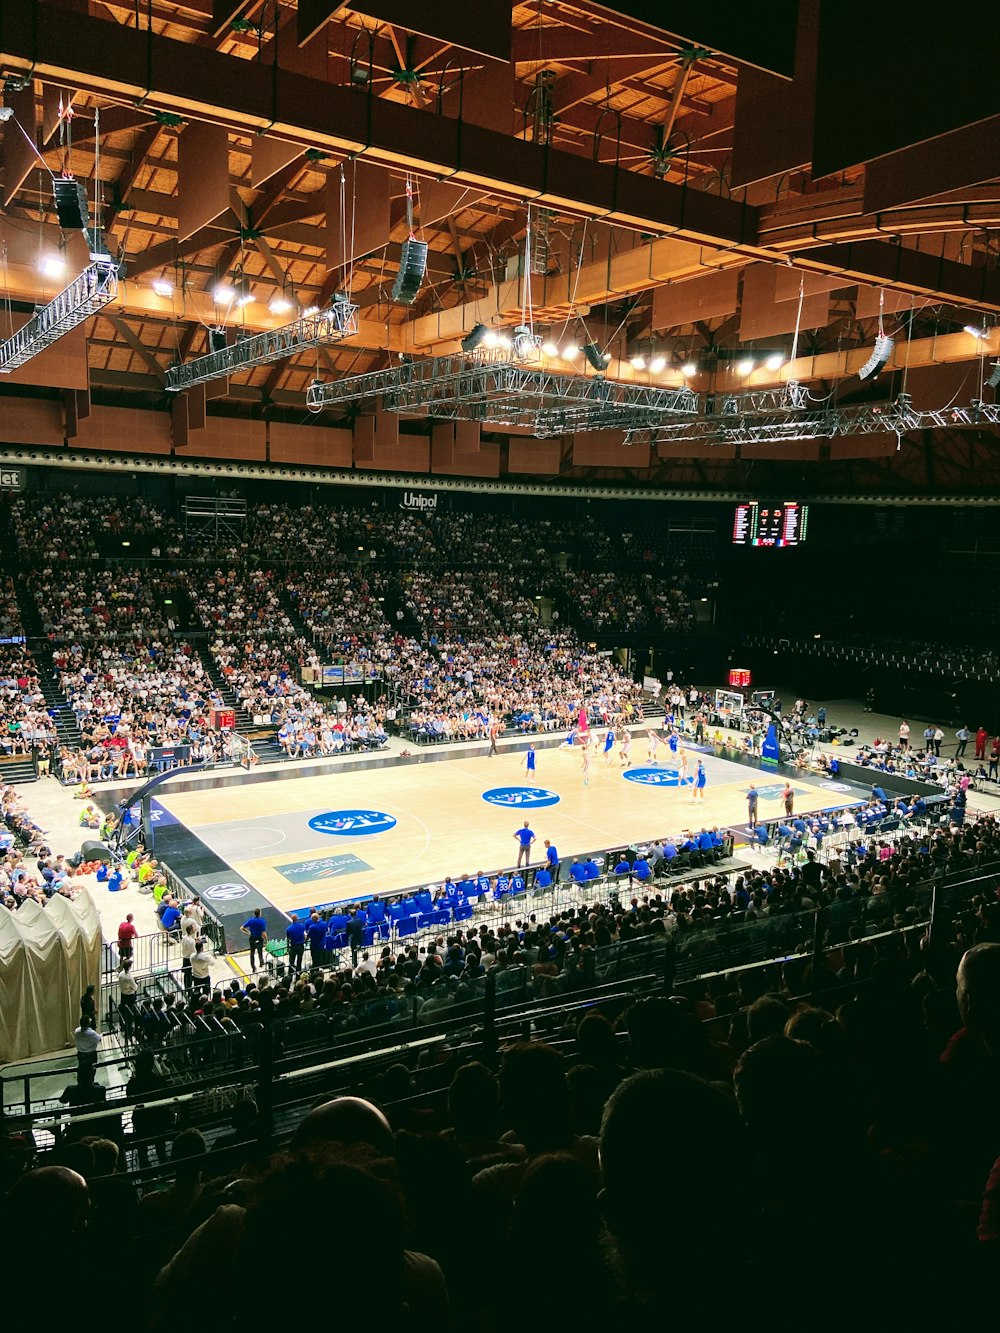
{"x":529,"y":761}
{"x":609,"y":742}
{"x":700,"y":778}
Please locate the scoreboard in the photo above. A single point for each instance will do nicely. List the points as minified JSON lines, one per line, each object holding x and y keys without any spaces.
{"x":756,"y":524}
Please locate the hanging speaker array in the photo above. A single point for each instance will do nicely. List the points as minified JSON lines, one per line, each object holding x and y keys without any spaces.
{"x":412,"y":267}
{"x":70,"y":197}
{"x":880,"y":355}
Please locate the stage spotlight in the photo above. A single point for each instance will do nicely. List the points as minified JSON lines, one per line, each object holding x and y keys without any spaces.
{"x":570,"y":352}
{"x":163,"y":287}
{"x":5,"y":114}
{"x":973,"y":332}
{"x":598,"y":359}
{"x":638,"y":362}
{"x":279,"y":304}
{"x":310,"y":310}
{"x":222,"y":293}
{"x":775,"y":361}
{"x":550,"y":349}
{"x":745,"y":366}
{"x":658,"y":364}
{"x":880,"y":355}
{"x":491,"y":338}
{"x":244,"y":296}
{"x":525,"y":343}
{"x":474,"y":337}
{"x":688,"y":369}
{"x":52,"y":266}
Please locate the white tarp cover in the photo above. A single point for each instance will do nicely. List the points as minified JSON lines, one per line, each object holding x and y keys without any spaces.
{"x":48,"y":958}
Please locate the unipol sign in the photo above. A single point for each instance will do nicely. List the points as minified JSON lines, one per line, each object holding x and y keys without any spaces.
{"x":415,"y":500}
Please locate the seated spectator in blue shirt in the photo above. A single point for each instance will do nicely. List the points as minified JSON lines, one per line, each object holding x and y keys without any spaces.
{"x":482,"y":884}
{"x":877,"y":791}
{"x":543,"y":879}
{"x":517,"y":883}
{"x":171,"y":915}
{"x":705,"y":840}
{"x":641,"y":868}
{"x":669,"y":851}
{"x":689,"y":844}
{"x":577,"y":871}
{"x":115,"y":880}
{"x":623,"y":868}
{"x":502,"y":886}
{"x":591,"y":870}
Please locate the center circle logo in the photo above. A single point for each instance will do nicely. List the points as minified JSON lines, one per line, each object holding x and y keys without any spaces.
{"x":835,"y":786}
{"x":521,"y":798}
{"x":352,"y":823}
{"x":226,"y":893}
{"x":654,"y":777}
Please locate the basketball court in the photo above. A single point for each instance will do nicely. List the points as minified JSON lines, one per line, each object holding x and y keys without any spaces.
{"x":318,"y":840}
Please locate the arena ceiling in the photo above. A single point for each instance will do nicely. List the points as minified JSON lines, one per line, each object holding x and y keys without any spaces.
{"x":686,"y":188}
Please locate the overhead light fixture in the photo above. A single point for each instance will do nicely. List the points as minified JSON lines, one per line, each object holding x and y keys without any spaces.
{"x":163,"y":287}
{"x":95,"y":288}
{"x":52,"y":266}
{"x":745,"y":366}
{"x":638,"y":362}
{"x":979,"y":334}
{"x":474,"y":337}
{"x":880,"y":355}
{"x":279,"y":304}
{"x":525,"y":343}
{"x":310,"y":310}
{"x":775,"y":361}
{"x":5,"y":114}
{"x":658,"y":364}
{"x":550,"y":349}
{"x":598,"y":359}
{"x":503,"y":339}
{"x":244,"y":296}
{"x":223,"y":294}
{"x":570,"y":352}
{"x":491,"y":338}
{"x":688,"y":369}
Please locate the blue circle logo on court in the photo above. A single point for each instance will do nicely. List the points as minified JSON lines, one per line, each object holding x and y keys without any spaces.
{"x":653,"y":777}
{"x":352,"y":823}
{"x":835,"y":786}
{"x":521,"y":798}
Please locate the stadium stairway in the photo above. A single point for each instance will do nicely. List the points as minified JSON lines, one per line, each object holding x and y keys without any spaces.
{"x":67,"y":730}
{"x":259,"y":737}
{"x":17,"y":768}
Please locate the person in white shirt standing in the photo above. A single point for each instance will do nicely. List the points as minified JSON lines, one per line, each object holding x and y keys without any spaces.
{"x":201,"y":968}
{"x":904,"y":735}
{"x":87,"y":1039}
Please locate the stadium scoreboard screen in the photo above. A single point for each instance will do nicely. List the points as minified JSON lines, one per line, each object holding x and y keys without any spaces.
{"x":756,"y":524}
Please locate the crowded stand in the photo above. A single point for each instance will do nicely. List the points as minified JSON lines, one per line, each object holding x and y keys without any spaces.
{"x":63,"y":528}
{"x":25,"y":723}
{"x":83,"y":602}
{"x":343,"y":612}
{"x":872,"y":1058}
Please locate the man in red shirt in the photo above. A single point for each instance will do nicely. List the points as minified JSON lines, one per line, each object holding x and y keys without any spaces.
{"x":982,"y":736}
{"x":126,"y":934}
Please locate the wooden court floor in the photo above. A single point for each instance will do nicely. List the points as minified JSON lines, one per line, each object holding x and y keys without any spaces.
{"x":443,"y":825}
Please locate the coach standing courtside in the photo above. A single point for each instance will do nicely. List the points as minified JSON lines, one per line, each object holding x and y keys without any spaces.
{"x":525,"y":839}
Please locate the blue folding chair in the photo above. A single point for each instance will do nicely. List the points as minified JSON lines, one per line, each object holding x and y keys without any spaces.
{"x":463,"y":912}
{"x":408,"y":926}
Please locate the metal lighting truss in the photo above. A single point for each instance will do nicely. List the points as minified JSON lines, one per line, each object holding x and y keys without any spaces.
{"x":337,"y":322}
{"x":751,"y":419}
{"x":504,"y":394}
{"x":96,"y":287}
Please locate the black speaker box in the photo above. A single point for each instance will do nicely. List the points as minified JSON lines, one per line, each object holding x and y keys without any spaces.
{"x":71,"y":203}
{"x":217,"y":340}
{"x":92,"y":850}
{"x":412,"y":267}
